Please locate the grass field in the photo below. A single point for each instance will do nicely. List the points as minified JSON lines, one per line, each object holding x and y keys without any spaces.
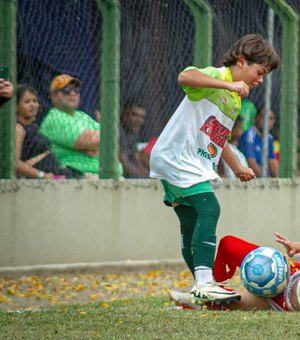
{"x":134,"y":306}
{"x":145,"y":318}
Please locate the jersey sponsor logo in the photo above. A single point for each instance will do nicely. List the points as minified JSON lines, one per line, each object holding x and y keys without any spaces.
{"x":212,"y":150}
{"x":223,"y":99}
{"x":217,"y":132}
{"x":204,"y":154}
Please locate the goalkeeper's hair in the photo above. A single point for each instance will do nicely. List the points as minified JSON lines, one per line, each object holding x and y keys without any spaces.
{"x":255,"y":49}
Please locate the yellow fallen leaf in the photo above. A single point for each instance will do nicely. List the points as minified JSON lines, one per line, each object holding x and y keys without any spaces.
{"x":10,"y":291}
{"x":79,"y":287}
{"x":93,"y":297}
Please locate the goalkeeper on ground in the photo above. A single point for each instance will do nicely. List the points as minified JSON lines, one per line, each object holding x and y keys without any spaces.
{"x":230,"y":255}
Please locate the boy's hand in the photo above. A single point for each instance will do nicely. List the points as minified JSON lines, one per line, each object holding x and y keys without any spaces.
{"x":245,"y":174}
{"x":240,"y":87}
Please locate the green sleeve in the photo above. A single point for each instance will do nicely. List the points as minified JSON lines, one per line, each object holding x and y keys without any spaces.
{"x":194,"y":93}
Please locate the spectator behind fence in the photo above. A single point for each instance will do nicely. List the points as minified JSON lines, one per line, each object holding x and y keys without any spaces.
{"x":6,"y":90}
{"x":33,"y":156}
{"x":247,"y":113}
{"x":237,"y":130}
{"x":251,"y":144}
{"x":74,"y":135}
{"x":135,"y":162}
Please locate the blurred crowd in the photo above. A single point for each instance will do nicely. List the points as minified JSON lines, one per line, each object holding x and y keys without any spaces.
{"x":66,"y":143}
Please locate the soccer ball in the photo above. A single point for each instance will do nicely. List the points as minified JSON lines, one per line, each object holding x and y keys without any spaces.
{"x":265,"y":272}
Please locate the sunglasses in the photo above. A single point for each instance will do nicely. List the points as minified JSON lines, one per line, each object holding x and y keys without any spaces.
{"x":68,"y":89}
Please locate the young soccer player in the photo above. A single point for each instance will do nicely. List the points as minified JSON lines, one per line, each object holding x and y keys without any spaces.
{"x":231,"y":252}
{"x":188,"y":150}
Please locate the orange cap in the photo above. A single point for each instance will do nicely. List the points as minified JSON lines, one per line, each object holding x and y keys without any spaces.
{"x":59,"y":82}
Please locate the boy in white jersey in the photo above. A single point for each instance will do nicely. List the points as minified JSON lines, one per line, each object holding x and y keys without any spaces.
{"x":188,"y":150}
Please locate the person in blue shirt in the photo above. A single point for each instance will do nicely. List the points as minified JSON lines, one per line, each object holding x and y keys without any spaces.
{"x":251,"y":145}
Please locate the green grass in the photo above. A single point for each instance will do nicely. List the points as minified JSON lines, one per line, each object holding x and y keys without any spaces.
{"x":147,"y":318}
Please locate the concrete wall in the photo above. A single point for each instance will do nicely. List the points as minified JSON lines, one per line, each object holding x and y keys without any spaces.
{"x":71,"y":223}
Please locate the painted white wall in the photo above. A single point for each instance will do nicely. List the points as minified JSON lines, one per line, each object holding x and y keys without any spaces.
{"x":70,"y":222}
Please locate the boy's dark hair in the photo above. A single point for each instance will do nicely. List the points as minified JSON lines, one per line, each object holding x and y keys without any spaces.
{"x":256,"y":50}
{"x":22,"y":88}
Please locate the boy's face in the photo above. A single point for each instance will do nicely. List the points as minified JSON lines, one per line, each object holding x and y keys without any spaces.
{"x":251,"y":74}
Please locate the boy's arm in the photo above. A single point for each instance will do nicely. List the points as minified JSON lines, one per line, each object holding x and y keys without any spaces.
{"x":243,"y":173}
{"x":194,"y":78}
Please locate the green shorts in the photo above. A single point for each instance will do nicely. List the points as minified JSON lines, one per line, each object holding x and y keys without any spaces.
{"x":174,"y":194}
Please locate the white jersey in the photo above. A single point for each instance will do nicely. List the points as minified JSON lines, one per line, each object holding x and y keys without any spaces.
{"x":188,"y":150}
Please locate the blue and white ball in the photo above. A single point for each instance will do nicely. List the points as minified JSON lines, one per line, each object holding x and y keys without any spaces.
{"x":265,"y":272}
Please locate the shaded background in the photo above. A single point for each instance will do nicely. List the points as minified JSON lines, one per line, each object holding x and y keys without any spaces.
{"x":157,"y":40}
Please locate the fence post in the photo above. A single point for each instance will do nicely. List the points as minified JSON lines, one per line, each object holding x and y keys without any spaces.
{"x":8,"y":57}
{"x":289,"y":87}
{"x":110,"y":88}
{"x":203,"y":32}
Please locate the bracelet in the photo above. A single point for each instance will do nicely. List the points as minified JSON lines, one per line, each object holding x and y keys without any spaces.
{"x":41,"y":174}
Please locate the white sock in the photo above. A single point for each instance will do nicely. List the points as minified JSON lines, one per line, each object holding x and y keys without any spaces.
{"x":203,"y":275}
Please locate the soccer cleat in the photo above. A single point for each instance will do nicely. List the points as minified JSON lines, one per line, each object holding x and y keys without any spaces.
{"x":213,"y":292}
{"x":183,"y":300}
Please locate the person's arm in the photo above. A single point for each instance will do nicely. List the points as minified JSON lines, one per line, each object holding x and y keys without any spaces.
{"x":23,"y":169}
{"x":32,"y":161}
{"x":245,"y":174}
{"x":80,"y":133}
{"x":132,"y":169}
{"x":273,"y":162}
{"x":144,"y":159}
{"x":254,"y":166}
{"x":247,"y":146}
{"x":273,"y":166}
{"x":197,"y":79}
{"x":89,"y":140}
{"x":292,"y":248}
